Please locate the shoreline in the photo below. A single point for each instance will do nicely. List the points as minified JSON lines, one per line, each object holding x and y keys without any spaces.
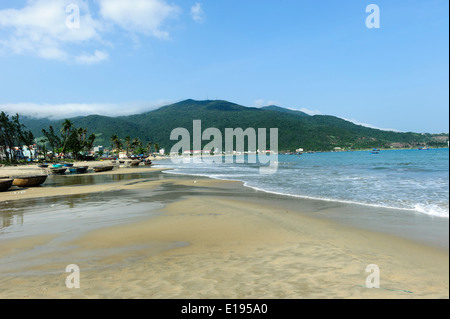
{"x":349,"y":214}
{"x":221,"y":239}
{"x":21,"y":193}
{"x":346,"y":213}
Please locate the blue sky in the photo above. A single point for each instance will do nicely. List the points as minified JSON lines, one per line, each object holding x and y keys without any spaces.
{"x":312,"y":55}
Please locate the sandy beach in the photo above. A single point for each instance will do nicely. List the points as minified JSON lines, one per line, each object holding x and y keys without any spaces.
{"x":39,"y":192}
{"x":206,"y":239}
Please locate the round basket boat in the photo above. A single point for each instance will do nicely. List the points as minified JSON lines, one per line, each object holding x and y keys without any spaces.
{"x":135,"y":163}
{"x":5,"y":184}
{"x":106,"y":168}
{"x":78,"y":169}
{"x":29,"y":181}
{"x":58,"y":171}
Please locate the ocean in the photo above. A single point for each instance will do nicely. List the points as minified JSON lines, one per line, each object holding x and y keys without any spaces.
{"x":399,"y":192}
{"x":415,"y":181}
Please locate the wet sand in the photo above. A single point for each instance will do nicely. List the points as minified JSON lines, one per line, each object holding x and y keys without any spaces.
{"x":18,"y":193}
{"x":200,"y":238}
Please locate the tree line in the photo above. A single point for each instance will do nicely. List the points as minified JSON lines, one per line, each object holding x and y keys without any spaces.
{"x":13,"y":135}
{"x":69,"y":140}
{"x":132,"y":146}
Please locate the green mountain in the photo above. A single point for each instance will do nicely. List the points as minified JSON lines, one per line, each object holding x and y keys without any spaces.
{"x":295,"y":129}
{"x":280,"y":109}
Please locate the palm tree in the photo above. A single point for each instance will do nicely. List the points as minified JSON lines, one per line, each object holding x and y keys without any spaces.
{"x":114,"y":138}
{"x":65,"y":132}
{"x":90,"y":142}
{"x":157,"y":147}
{"x":116,"y":143}
{"x":128,"y":143}
{"x":136,"y":144}
{"x":149,"y":148}
{"x":53,"y":140}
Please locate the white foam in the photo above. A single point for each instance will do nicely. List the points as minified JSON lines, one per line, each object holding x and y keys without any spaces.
{"x":431,"y":210}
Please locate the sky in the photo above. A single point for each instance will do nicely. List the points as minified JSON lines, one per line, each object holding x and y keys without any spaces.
{"x":63,"y":58}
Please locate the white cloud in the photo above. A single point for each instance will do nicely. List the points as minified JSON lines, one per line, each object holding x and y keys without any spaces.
{"x":370,"y":125}
{"x":44,"y":28}
{"x":197,"y":13}
{"x":308,"y":111}
{"x":40,"y":29}
{"x":142,"y":16}
{"x":261,"y":103}
{"x":69,"y":110}
{"x":97,"y":57}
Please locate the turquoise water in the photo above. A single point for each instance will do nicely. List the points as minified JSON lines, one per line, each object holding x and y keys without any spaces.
{"x":411,"y":180}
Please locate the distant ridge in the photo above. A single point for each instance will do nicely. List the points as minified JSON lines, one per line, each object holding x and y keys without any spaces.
{"x":280,"y":109}
{"x":296,"y":129}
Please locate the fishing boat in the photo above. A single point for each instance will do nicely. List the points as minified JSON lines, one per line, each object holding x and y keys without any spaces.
{"x":135,"y":163}
{"x":58,"y":170}
{"x":43,"y":165}
{"x":57,"y":165}
{"x":105,"y":168}
{"x":68,"y":165}
{"x":79,"y":169}
{"x":148,"y":163}
{"x":5,"y":184}
{"x":29,"y":181}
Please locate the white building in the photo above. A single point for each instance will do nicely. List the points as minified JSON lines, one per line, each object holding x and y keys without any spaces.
{"x":28,"y":152}
{"x":123,"y":155}
{"x":98,"y":149}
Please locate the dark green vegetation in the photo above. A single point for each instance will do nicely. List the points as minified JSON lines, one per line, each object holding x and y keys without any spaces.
{"x":70,"y":139}
{"x":12,"y":134}
{"x":296,"y":129}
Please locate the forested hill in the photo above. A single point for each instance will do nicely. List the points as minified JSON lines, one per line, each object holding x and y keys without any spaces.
{"x":296,"y":129}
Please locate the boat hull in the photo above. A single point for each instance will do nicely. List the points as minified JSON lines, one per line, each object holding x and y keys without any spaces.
{"x":58,"y":171}
{"x":29,"y":181}
{"x":5,"y":184}
{"x":103,"y":169}
{"x":79,"y":170}
{"x":135,"y":163}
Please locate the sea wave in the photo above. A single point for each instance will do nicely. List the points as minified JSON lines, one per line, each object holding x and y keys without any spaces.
{"x":426,"y":209}
{"x":432,"y":210}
